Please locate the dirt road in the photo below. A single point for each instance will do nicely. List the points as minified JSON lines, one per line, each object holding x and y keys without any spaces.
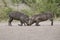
{"x":43,"y":32}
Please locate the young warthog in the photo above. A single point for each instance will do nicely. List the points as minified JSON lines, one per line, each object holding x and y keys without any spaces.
{"x":41,"y":17}
{"x":23,"y":18}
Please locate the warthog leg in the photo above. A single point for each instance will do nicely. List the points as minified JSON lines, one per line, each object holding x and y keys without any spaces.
{"x":37,"y":23}
{"x":20,"y":24}
{"x":51,"y":21}
{"x":10,"y":20}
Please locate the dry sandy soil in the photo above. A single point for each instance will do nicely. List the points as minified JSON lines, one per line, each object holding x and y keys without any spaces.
{"x":43,"y":32}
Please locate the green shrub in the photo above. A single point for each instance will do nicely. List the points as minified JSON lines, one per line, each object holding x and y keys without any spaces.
{"x":30,"y":12}
{"x":4,"y":13}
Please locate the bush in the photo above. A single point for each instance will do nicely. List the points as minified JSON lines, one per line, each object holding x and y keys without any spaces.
{"x":29,"y":12}
{"x":4,"y":13}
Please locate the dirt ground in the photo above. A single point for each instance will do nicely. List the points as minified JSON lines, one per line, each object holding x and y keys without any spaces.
{"x":43,"y":32}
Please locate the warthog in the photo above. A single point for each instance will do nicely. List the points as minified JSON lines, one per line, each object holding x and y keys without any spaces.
{"x":23,"y":18}
{"x":41,"y":17}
